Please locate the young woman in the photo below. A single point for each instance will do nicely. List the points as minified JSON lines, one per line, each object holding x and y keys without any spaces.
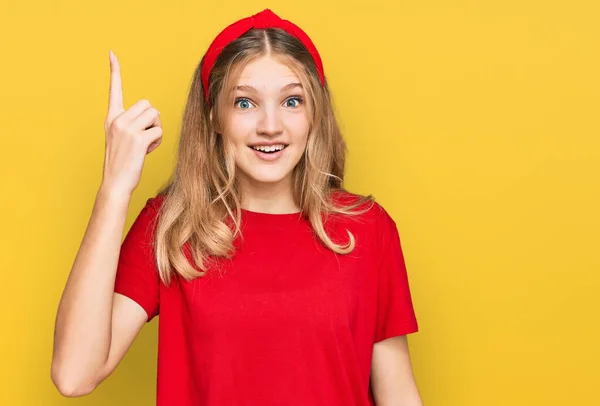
{"x":274,"y":285}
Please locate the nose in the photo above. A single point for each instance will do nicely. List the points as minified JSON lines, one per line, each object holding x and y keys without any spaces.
{"x":270,"y":121}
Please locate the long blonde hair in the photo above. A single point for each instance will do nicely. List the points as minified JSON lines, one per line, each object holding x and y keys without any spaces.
{"x":202,"y":198}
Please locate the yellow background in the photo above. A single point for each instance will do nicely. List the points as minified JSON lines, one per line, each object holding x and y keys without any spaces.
{"x":475,"y":123}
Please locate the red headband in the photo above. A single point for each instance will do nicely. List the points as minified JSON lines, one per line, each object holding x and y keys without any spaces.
{"x":264,"y":19}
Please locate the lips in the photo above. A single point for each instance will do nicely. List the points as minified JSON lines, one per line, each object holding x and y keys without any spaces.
{"x":269,"y":156}
{"x":267,"y":144}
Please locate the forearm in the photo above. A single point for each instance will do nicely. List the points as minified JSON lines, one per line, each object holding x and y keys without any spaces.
{"x":83,"y":322}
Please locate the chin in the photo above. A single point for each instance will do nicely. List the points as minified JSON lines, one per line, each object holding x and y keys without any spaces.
{"x":267,"y":176}
{"x":255,"y":170}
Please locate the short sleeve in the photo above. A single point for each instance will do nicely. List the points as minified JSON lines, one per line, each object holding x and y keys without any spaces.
{"x":137,"y":274}
{"x":395,"y":311}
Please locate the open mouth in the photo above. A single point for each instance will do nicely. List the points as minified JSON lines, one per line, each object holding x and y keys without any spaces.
{"x":269,"y":149}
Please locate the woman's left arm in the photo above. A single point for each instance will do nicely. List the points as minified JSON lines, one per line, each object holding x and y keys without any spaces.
{"x":392,"y":379}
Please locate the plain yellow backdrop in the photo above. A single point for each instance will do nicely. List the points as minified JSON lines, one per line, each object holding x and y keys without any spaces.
{"x":474,"y":123}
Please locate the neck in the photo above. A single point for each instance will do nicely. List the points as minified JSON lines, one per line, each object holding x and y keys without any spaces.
{"x":275,"y":198}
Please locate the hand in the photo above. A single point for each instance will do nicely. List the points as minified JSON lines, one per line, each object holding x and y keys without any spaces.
{"x":130,"y":136}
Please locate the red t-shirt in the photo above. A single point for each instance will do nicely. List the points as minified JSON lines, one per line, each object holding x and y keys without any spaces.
{"x":285,"y":322}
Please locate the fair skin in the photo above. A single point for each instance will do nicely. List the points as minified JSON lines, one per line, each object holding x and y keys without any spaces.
{"x":269,"y":108}
{"x":95,"y":327}
{"x":392,"y":378}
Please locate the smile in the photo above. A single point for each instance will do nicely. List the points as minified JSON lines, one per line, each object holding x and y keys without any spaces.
{"x":269,"y":148}
{"x":269,"y":153}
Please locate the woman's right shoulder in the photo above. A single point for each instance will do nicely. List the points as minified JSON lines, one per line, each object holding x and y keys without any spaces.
{"x":156,"y":202}
{"x":149,"y":213}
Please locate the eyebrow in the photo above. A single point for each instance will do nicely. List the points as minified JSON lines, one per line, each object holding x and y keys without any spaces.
{"x":250,"y":89}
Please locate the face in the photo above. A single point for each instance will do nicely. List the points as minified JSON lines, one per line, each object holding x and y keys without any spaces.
{"x":267,"y":123}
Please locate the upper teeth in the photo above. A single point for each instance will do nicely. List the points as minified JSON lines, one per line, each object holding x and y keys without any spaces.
{"x":269,"y":148}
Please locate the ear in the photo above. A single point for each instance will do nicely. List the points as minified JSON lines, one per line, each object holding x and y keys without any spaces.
{"x":213,"y":120}
{"x":210,"y":117}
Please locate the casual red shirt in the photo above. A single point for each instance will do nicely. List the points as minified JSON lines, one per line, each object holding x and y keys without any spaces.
{"x":285,"y":322}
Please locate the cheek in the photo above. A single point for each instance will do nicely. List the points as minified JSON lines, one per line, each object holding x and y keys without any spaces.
{"x":237,"y":132}
{"x":299,"y":127}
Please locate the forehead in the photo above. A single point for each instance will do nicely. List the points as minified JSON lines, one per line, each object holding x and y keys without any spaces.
{"x":267,"y":72}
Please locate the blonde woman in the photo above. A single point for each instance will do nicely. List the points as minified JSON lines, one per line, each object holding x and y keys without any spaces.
{"x":274,"y":285}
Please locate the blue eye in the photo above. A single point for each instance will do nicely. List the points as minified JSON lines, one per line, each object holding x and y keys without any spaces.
{"x":243,"y":103}
{"x":295,"y":98}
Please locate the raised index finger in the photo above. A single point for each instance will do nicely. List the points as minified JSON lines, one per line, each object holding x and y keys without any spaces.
{"x":115,"y":96}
